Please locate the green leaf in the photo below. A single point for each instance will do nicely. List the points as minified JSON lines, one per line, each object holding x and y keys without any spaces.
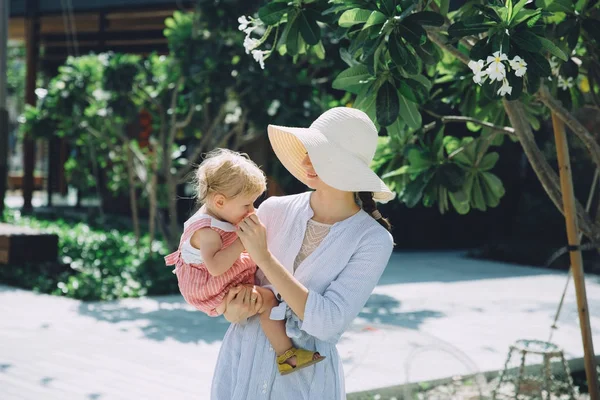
{"x":428,"y":53}
{"x":553,"y":49}
{"x":400,"y":171}
{"x":533,"y":20}
{"x":365,"y":101}
{"x":592,"y":27}
{"x":426,"y":18}
{"x":451,"y":176}
{"x":460,"y":29}
{"x":423,"y":81}
{"x":565,"y":6}
{"x":527,"y":41}
{"x":397,"y":51}
{"x":413,"y":191}
{"x":494,"y":184}
{"x":444,"y":6}
{"x":538,"y":63}
{"x":526,"y":15}
{"x":419,"y":89}
{"x":412,"y":66}
{"x":418,"y":159}
{"x":387,"y":104}
{"x":579,"y":5}
{"x":272,"y":13}
{"x":412,"y":32}
{"x":517,"y":86}
{"x":509,"y":7}
{"x":481,"y":50}
{"x":388,"y":7}
{"x":293,"y":38}
{"x":352,"y":79}
{"x":569,"y":69}
{"x":406,"y":91}
{"x":488,"y":12}
{"x":573,"y":37}
{"x":518,"y":8}
{"x":409,"y":112}
{"x":376,"y":18}
{"x":477,"y":199}
{"x":460,"y":201}
{"x":311,"y":33}
{"x":319,"y":50}
{"x":489,"y":161}
{"x":352,"y":17}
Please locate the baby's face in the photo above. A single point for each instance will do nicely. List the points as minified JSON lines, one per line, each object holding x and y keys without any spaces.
{"x":236,"y":209}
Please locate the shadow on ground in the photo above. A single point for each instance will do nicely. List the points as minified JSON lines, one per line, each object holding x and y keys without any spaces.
{"x":169,"y":318}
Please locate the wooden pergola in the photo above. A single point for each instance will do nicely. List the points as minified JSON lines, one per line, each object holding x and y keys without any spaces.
{"x":51,"y":31}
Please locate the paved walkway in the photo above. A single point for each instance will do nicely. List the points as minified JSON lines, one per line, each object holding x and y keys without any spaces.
{"x":434,"y":314}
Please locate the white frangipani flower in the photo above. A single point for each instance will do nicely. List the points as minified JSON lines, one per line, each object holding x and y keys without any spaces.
{"x":497,"y":58}
{"x":41,"y":93}
{"x":496,"y":71}
{"x":519,"y":66}
{"x":60,"y":85}
{"x":250,"y":44}
{"x":259,"y":57}
{"x":477,"y":68}
{"x":244,"y":22}
{"x":565,"y":84}
{"x":505,"y":88}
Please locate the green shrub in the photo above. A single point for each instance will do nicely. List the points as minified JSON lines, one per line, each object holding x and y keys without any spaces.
{"x":101,"y":264}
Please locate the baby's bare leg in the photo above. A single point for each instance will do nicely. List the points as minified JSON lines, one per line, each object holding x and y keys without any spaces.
{"x":274,"y":330}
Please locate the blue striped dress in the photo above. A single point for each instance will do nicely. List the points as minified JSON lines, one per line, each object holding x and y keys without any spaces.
{"x":340,"y":275}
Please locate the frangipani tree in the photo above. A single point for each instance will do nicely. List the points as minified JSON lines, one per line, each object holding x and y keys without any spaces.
{"x":204,"y":94}
{"x":498,"y":66}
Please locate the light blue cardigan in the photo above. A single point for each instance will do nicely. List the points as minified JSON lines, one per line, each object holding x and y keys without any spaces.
{"x":340,"y":276}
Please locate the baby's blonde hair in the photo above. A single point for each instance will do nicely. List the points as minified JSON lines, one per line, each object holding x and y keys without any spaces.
{"x":228,"y":173}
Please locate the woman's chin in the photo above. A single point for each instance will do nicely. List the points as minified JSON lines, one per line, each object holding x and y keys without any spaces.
{"x":313,"y":182}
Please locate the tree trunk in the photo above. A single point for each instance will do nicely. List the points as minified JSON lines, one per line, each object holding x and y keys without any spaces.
{"x":542,"y":169}
{"x":152,"y":187}
{"x":96,"y":172}
{"x":173,"y":230}
{"x":132,"y":193}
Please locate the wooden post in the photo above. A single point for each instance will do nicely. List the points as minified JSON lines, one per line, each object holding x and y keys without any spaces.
{"x":4,"y":16}
{"x":32,"y":27}
{"x":566,"y":184}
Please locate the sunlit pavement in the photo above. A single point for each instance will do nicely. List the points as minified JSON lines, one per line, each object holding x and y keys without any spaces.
{"x":433,"y":315}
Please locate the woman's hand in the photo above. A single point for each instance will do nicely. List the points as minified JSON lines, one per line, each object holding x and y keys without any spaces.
{"x":253,"y":235}
{"x":242,"y":302}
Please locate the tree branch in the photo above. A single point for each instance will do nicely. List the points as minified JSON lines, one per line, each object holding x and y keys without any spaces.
{"x":578,"y":129}
{"x":173,"y":108}
{"x":457,"y":118}
{"x":188,"y":118}
{"x":186,"y":169}
{"x":546,"y":175}
{"x":442,"y":43}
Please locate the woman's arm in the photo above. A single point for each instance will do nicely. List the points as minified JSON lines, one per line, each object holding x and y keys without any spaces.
{"x":326,"y":315}
{"x":254,"y":236}
{"x":209,"y":243}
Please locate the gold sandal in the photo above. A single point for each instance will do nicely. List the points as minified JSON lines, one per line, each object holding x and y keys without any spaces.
{"x":304,"y":358}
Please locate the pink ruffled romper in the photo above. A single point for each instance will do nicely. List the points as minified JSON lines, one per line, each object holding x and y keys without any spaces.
{"x":198,"y":287}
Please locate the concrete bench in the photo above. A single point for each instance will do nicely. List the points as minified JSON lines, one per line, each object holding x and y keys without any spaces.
{"x":20,"y":245}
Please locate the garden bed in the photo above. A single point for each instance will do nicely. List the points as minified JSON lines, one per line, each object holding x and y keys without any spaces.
{"x":104,"y":261}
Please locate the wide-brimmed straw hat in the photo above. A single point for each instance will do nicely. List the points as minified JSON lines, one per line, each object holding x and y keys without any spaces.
{"x":341,"y":144}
